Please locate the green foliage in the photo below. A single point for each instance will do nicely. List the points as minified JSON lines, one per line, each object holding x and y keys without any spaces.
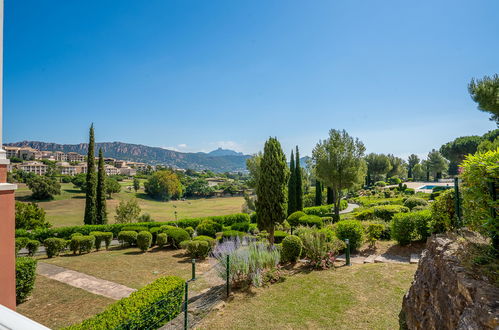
{"x":443,"y":211}
{"x":208,"y":239}
{"x":394,"y":180}
{"x":351,"y":229}
{"x":324,"y":210}
{"x":163,"y":185}
{"x":291,"y":248}
{"x":378,"y":166}
{"x":380,"y":184}
{"x":293,"y":219}
{"x":318,"y":193}
{"x":81,"y":243}
{"x":128,"y":236}
{"x":30,"y":216}
{"x":43,"y":187}
{"x":100,"y":237}
{"x":479,"y":171}
{"x":232,"y":233}
{"x":32,"y":247}
{"x":292,"y":186}
{"x":298,"y":182}
{"x":25,"y":277}
{"x":437,"y":164}
{"x":196,"y":248}
{"x":311,"y":221}
{"x":91,"y":182}
{"x":100,"y":199}
{"x":21,"y":243}
{"x":386,"y":212}
{"x":145,"y":217}
{"x":412,"y":161}
{"x":456,"y":150}
{"x":190,"y":230}
{"x":209,"y":228}
{"x":319,"y":250}
{"x":413,"y":226}
{"x":409,"y":191}
{"x":279,"y":235}
{"x":412,"y":202}
{"x":397,"y":167}
{"x":156,"y":303}
{"x":271,"y":188}
{"x":127,"y":211}
{"x":144,"y":240}
{"x":177,"y":235}
{"x":54,"y":246}
{"x":161,"y":239}
{"x":374,"y":232}
{"x":136,"y":184}
{"x":112,"y":187}
{"x":241,"y":226}
{"x":135,"y":228}
{"x":366,"y":214}
{"x":485,"y":92}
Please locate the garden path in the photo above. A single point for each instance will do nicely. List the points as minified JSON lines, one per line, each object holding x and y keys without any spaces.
{"x":83,"y":281}
{"x":349,"y":208}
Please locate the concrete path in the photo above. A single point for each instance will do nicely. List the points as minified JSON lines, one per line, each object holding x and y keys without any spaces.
{"x":381,"y":258}
{"x":349,"y":208}
{"x":83,"y":281}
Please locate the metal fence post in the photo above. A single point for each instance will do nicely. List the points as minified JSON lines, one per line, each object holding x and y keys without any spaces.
{"x":193,"y":270}
{"x":347,"y":252}
{"x":458,"y":202}
{"x":186,"y":306}
{"x":228,"y":275}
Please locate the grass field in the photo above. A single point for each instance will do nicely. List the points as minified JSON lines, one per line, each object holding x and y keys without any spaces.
{"x":67,"y":208}
{"x":359,"y":297}
{"x":56,"y":305}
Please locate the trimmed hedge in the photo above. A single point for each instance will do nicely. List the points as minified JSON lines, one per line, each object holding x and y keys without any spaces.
{"x":190,"y":231}
{"x":129,"y":237}
{"x":32,"y":247}
{"x":138,"y":229}
{"x":279,"y":236}
{"x":196,"y":248}
{"x":209,"y":228}
{"x":311,"y":221}
{"x":177,"y":236}
{"x":412,"y":202}
{"x":351,"y":229}
{"x":241,"y":226}
{"x":208,"y":239}
{"x":21,"y":243}
{"x":155,"y":304}
{"x":324,"y":210}
{"x":294,"y":218}
{"x":82,"y":243}
{"x":161,"y":239}
{"x":144,"y":240}
{"x":232,"y":233}
{"x":414,"y":226}
{"x":386,"y":212}
{"x":25,"y":277}
{"x":100,"y":237}
{"x":291,"y":248}
{"x":54,"y":246}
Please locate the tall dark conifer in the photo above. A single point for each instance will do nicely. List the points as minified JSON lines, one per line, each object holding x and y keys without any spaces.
{"x":292,"y":186}
{"x":298,"y":182}
{"x":91,"y":183}
{"x":318,"y":193}
{"x":101,"y":192}
{"x":330,"y":196}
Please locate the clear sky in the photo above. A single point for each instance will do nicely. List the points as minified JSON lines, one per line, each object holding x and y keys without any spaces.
{"x":195,"y":75}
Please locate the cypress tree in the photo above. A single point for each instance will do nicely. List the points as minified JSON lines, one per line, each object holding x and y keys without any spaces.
{"x":330,"y":196}
{"x":292,"y":186}
{"x":91,"y":184}
{"x":318,"y":193}
{"x":101,"y":192}
{"x":271,"y":188}
{"x":298,"y":182}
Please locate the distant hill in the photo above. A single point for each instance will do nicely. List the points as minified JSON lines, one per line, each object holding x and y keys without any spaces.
{"x":220,"y":160}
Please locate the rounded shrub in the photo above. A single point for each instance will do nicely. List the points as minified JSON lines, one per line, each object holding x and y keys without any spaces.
{"x":100,"y":237}
{"x":279,"y":235}
{"x":21,"y":243}
{"x":412,"y":202}
{"x":25,"y":277}
{"x":443,"y":210}
{"x":232,"y":233}
{"x":134,"y":228}
{"x":189,"y":230}
{"x":409,"y":191}
{"x":394,"y":180}
{"x":374,"y":232}
{"x":402,"y":228}
{"x":208,"y":228}
{"x":386,"y":212}
{"x":291,"y":248}
{"x":197,"y":248}
{"x":154,"y":231}
{"x":208,"y":239}
{"x":351,"y":229}
{"x":366,"y":214}
{"x":161,"y":239}
{"x":311,"y":221}
{"x":380,"y":184}
{"x":177,"y":235}
{"x":144,"y":240}
{"x":86,"y":243}
{"x":294,"y":218}
{"x":129,"y":237}
{"x":32,"y":247}
{"x":54,"y":246}
{"x":241,"y":226}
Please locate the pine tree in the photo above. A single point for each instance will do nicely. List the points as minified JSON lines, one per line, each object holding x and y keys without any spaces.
{"x":292,"y":186}
{"x":271,"y":188}
{"x":318,"y":193}
{"x":298,"y":183}
{"x":101,"y":217}
{"x":91,"y":183}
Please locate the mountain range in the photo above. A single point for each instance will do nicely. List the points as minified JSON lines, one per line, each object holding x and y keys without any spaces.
{"x":220,"y":160}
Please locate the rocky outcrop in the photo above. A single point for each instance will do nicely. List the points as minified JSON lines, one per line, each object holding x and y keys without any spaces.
{"x":445,"y":295}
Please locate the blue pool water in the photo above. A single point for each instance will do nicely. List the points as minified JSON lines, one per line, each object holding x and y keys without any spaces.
{"x":427,"y":187}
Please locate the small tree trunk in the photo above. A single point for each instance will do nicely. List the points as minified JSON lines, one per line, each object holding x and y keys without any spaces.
{"x":271,"y":236}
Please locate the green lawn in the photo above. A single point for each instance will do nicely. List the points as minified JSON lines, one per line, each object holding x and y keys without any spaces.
{"x":359,"y":297}
{"x":67,"y":208}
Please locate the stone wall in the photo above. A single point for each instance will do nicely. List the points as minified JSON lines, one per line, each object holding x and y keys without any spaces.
{"x":444,"y":295}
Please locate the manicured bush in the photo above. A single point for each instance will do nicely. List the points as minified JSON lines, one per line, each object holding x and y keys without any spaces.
{"x":374,"y":232}
{"x":412,"y":202}
{"x":311,"y":221}
{"x":402,"y":228}
{"x":394,"y":180}
{"x":156,"y":303}
{"x":366,"y":214}
{"x":329,"y":232}
{"x":443,"y":211}
{"x":32,"y":247}
{"x":74,"y":243}
{"x":54,"y":246}
{"x":208,"y":239}
{"x":75,"y":235}
{"x":177,"y":235}
{"x":293,"y":218}
{"x":100,"y":237}
{"x":161,"y":239}
{"x":189,"y":230}
{"x":128,"y":237}
{"x":196,"y":248}
{"x":232,"y":233}
{"x":154,"y":232}
{"x":409,"y":191}
{"x":419,"y":208}
{"x":209,"y":228}
{"x":422,"y":223}
{"x":21,"y":243}
{"x":86,"y":243}
{"x":25,"y":277}
{"x":351,"y":229}
{"x":144,"y":240}
{"x":241,"y":226}
{"x":135,"y":228}
{"x":386,"y":212}
{"x":291,"y":248}
{"x":324,"y":210}
{"x":23,"y":233}
{"x":164,"y":228}
{"x":279,"y":235}
{"x":380,"y":184}
{"x":370,"y":201}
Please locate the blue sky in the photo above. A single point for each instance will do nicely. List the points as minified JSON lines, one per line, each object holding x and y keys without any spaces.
{"x":195,"y":75}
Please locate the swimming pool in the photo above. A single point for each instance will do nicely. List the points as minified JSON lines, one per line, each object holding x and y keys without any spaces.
{"x":429,"y":187}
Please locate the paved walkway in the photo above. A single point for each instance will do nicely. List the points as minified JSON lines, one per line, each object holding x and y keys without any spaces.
{"x":381,"y":258}
{"x":349,"y":208}
{"x":83,"y":281}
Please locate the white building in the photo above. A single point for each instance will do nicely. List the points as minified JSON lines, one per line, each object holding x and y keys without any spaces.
{"x":33,"y":167}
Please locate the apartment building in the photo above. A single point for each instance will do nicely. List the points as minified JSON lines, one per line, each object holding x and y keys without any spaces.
{"x":128,"y":171}
{"x":33,"y":167}
{"x":75,"y":157}
{"x":111,"y":170}
{"x":24,"y":153}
